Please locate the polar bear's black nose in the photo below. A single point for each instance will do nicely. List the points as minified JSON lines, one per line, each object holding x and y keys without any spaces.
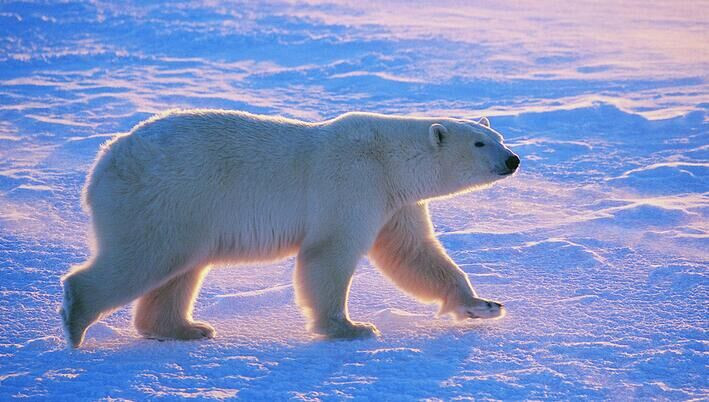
{"x":512,"y":162}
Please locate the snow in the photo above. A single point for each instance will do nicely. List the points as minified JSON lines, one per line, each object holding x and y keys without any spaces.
{"x":598,"y":247}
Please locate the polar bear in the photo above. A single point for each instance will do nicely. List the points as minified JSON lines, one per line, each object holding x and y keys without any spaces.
{"x":188,"y":189}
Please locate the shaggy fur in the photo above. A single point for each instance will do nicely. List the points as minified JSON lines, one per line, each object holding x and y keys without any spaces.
{"x":189,"y":189}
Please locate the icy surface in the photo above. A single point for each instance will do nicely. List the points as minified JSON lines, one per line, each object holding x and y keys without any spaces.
{"x":598,"y":247}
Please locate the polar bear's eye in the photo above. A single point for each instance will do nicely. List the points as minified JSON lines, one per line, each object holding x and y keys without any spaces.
{"x":479,"y":144}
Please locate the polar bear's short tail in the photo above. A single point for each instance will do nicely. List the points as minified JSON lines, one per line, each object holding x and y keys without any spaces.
{"x":95,"y":174}
{"x":106,"y":158}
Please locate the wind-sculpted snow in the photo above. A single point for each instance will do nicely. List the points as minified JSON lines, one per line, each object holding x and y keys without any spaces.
{"x":598,"y":247}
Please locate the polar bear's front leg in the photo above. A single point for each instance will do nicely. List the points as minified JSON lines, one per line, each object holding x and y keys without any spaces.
{"x":322,"y":281}
{"x":407,"y":251}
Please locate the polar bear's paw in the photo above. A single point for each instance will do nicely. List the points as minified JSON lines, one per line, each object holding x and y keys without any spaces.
{"x":346,"y":329}
{"x":473,"y":307}
{"x":185,"y":332}
{"x":75,"y":314}
{"x":197,"y":330}
{"x":480,"y":308}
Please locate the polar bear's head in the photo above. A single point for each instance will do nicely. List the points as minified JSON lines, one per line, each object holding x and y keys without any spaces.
{"x":470,"y":154}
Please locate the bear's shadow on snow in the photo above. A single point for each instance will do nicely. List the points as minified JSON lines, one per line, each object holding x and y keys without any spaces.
{"x":368,"y":366}
{"x":139,"y":367}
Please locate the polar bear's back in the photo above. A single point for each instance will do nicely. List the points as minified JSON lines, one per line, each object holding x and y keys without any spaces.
{"x":216,"y":135}
{"x":179,"y":147}
{"x":230,"y":177}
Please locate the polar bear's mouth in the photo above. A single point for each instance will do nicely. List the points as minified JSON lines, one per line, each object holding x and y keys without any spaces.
{"x":504,"y":172}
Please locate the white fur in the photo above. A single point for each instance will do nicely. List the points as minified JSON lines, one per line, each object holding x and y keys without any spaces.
{"x":188,"y":189}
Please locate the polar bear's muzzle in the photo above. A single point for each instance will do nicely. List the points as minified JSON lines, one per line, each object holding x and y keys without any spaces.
{"x":512,"y":163}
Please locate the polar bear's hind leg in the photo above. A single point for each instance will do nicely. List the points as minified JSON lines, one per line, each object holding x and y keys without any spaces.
{"x":106,"y":283}
{"x":166,"y":312}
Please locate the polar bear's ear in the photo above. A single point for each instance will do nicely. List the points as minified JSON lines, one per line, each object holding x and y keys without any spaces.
{"x":484,"y":121}
{"x":436,"y":133}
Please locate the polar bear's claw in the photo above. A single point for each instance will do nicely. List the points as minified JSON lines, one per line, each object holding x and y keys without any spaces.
{"x":198,"y":330}
{"x":480,"y":308}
